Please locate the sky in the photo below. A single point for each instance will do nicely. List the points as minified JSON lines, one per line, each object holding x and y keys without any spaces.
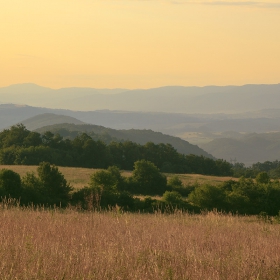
{"x":139,"y":43}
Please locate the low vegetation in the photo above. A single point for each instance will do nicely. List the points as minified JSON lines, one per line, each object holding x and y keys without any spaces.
{"x":145,"y":189}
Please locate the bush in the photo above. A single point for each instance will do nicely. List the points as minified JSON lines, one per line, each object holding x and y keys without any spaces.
{"x":173,"y":198}
{"x":86,"y":198}
{"x":175,"y":184}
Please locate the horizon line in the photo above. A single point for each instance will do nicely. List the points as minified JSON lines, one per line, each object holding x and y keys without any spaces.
{"x":132,"y":89}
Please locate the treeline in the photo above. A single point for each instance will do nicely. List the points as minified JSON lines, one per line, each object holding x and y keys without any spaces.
{"x":270,"y":167}
{"x":108,"y":188}
{"x":22,"y":147}
{"x":246,"y":196}
{"x":48,"y":187}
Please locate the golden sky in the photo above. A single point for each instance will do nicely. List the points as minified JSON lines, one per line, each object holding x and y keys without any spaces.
{"x":139,"y":43}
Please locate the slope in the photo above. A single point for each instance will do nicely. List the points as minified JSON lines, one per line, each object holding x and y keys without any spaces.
{"x":134,"y":135}
{"x":48,"y":119}
{"x":249,"y":149}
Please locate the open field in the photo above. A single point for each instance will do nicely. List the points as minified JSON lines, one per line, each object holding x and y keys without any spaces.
{"x":79,"y":177}
{"x":113,"y":245}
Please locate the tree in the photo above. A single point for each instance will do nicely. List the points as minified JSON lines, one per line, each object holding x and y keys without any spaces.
{"x":208,"y":197}
{"x":109,"y":180}
{"x":262,"y":178}
{"x":148,"y":178}
{"x":10,"y":184}
{"x":33,"y":139}
{"x":14,"y":136}
{"x":106,"y":189}
{"x":33,"y":191}
{"x":54,"y":185}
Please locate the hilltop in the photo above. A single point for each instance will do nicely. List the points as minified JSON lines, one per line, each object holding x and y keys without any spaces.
{"x":135,"y":135}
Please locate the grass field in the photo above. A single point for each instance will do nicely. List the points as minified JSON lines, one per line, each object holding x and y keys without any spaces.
{"x":79,"y":177}
{"x":72,"y":245}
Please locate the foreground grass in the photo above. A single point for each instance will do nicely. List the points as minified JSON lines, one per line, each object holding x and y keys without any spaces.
{"x":79,"y":177}
{"x":71,"y":245}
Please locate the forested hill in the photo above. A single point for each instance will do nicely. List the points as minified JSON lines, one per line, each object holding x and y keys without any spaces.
{"x":48,"y":119}
{"x":21,"y":146}
{"x":140,"y":136}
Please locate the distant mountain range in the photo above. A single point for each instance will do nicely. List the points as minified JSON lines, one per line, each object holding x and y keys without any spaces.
{"x":173,"y":99}
{"x":207,"y":125}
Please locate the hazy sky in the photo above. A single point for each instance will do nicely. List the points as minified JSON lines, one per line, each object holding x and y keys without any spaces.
{"x":139,"y":43}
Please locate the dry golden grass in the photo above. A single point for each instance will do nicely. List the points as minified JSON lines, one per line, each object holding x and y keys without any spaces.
{"x":79,"y":177}
{"x":71,"y":245}
{"x":201,"y":179}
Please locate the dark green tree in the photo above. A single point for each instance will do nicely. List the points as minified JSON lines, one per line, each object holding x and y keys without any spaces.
{"x":10,"y":184}
{"x":148,"y":178}
{"x":263,"y":178}
{"x":14,"y":136}
{"x":33,"y":190}
{"x":109,"y":180}
{"x":54,"y":185}
{"x":32,"y":139}
{"x":208,"y":197}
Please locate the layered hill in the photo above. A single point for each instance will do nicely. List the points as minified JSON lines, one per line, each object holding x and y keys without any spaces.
{"x":48,"y":119}
{"x":168,"y":123}
{"x":134,"y":135}
{"x":248,"y":149}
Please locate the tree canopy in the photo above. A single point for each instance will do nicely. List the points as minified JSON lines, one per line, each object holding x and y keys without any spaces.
{"x":21,"y":146}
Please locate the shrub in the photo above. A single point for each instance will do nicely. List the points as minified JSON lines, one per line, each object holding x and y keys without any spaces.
{"x":208,"y":197}
{"x":173,"y":198}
